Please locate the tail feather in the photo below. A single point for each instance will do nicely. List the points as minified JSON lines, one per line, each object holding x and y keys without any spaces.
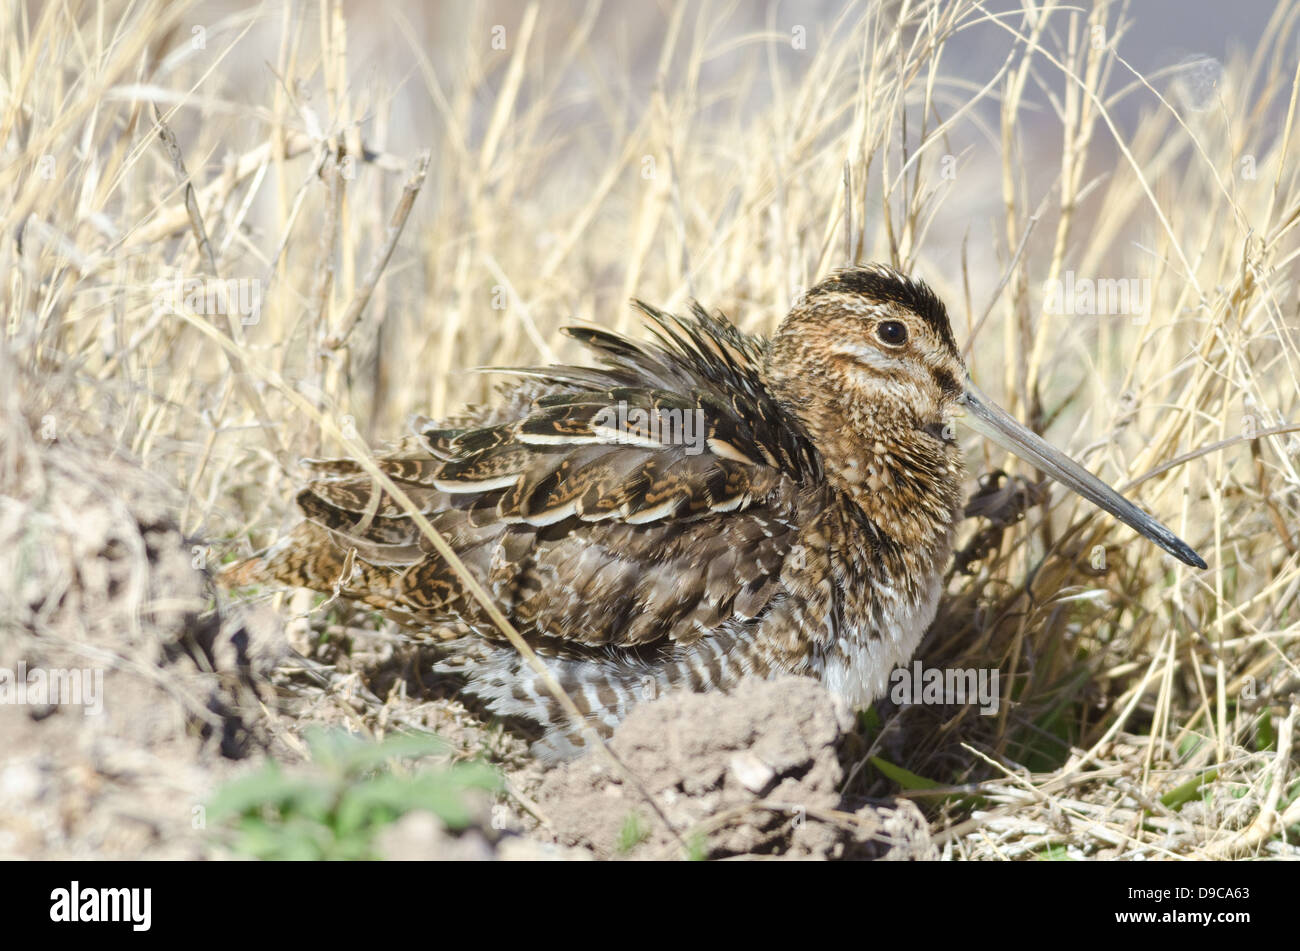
{"x":309,"y":557}
{"x":305,"y":557}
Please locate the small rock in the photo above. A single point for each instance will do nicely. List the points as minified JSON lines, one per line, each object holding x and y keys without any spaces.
{"x":752,"y":772}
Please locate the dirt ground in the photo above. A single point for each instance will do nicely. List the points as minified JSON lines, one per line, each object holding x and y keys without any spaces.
{"x":185,"y":689}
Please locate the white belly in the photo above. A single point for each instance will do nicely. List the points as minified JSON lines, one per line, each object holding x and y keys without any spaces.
{"x":859,"y":671}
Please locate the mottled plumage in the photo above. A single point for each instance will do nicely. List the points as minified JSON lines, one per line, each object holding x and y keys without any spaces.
{"x":693,"y":510}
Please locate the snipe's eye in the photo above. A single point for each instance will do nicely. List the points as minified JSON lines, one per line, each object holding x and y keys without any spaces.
{"x":892,"y":332}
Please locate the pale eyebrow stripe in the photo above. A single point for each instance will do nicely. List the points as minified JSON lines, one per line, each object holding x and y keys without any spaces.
{"x":865,"y":354}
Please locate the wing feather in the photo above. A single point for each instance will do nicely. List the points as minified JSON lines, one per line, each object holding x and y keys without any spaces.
{"x":644,"y":501}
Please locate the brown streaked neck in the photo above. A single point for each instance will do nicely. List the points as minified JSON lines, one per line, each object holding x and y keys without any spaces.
{"x":903,"y":479}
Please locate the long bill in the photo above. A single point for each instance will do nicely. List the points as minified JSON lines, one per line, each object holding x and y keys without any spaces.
{"x":996,"y":424}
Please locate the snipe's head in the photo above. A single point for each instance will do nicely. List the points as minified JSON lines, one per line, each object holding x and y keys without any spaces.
{"x":867,"y":361}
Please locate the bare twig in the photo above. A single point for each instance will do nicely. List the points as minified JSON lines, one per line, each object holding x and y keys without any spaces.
{"x":382,"y":255}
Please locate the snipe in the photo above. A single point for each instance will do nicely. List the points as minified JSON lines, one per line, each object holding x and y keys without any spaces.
{"x":697,"y":510}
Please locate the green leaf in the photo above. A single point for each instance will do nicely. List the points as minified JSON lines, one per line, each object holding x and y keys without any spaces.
{"x":334,"y":809}
{"x":1179,"y":795}
{"x":268,"y":787}
{"x":342,"y":752}
{"x":1265,"y":738}
{"x":869,"y":721}
{"x":697,"y":849}
{"x":905,"y":778}
{"x":1054,"y":853}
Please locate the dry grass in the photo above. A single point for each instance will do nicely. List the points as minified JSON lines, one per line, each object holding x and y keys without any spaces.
{"x":736,"y":168}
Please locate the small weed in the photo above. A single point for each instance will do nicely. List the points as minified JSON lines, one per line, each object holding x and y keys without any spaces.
{"x":633,"y":833}
{"x":334,"y":809}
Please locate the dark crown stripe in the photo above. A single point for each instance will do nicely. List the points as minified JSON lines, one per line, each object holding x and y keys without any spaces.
{"x":885,"y":284}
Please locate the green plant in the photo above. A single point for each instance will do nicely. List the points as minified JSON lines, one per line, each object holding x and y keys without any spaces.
{"x":353,"y":789}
